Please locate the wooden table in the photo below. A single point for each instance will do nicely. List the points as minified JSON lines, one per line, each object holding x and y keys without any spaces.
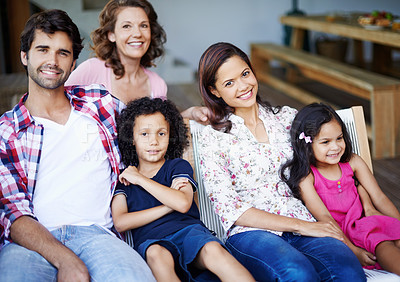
{"x":383,"y":40}
{"x":386,"y":110}
{"x":343,"y":26}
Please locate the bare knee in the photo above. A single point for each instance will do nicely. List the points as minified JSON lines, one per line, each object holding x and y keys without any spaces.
{"x":388,"y":256}
{"x":212,"y":250}
{"x":383,"y":246}
{"x":209,"y":254}
{"x":161,"y":263}
{"x":157,"y":253}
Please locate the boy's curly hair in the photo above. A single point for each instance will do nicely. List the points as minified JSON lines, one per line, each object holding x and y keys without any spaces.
{"x":178,"y":139}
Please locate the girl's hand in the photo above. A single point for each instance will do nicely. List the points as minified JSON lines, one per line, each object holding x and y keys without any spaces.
{"x":369,"y":212}
{"x":365,"y":257}
{"x":179,"y":183}
{"x":129,"y":175}
{"x":322,"y":229}
{"x":368,"y":206}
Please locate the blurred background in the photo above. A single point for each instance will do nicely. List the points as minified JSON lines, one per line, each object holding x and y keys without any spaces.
{"x":191,"y":26}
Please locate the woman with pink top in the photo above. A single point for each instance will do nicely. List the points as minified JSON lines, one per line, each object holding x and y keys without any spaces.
{"x":126,"y":44}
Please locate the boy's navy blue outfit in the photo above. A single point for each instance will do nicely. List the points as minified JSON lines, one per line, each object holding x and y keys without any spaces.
{"x":183,"y":234}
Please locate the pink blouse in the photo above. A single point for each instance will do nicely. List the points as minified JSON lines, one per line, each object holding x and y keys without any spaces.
{"x":94,"y":70}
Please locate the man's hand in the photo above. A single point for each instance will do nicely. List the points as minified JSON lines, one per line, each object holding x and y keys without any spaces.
{"x":29,"y":233}
{"x":73,"y":269}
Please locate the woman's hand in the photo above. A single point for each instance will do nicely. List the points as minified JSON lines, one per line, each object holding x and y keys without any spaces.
{"x":199,"y":114}
{"x":321,"y":229}
{"x":364,"y":257}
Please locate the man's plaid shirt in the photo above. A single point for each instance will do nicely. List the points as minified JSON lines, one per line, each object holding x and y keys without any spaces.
{"x":21,"y":140}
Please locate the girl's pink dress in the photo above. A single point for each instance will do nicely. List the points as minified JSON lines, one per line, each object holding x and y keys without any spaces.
{"x":342,"y":200}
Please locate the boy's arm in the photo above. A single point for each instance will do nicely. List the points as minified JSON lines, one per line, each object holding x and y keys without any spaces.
{"x":124,"y":220}
{"x":178,"y":199}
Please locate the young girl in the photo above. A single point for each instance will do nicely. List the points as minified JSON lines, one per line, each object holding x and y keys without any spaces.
{"x":155,"y":197}
{"x":321,"y":174}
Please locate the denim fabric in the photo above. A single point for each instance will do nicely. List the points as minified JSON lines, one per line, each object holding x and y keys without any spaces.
{"x":289,"y":257}
{"x":184,"y":246}
{"x":106,"y":257}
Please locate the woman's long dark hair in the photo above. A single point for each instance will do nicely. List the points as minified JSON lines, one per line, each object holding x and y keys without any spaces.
{"x":107,"y":50}
{"x":309,"y":120}
{"x":210,"y":62}
{"x":178,"y":139}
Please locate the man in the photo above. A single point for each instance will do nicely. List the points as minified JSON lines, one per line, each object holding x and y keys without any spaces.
{"x":58,"y":169}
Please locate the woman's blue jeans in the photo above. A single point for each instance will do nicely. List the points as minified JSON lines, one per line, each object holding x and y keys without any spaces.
{"x":106,"y":257}
{"x":289,"y":257}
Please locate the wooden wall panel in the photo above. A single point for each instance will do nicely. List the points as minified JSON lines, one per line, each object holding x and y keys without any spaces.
{"x":18,"y":14}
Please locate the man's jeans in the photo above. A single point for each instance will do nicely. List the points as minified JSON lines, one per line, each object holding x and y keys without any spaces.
{"x":106,"y":257}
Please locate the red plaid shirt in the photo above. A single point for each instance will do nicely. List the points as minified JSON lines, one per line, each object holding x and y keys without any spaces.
{"x":21,"y":145}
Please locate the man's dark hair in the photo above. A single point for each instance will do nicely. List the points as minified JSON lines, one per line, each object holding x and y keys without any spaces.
{"x":50,"y":21}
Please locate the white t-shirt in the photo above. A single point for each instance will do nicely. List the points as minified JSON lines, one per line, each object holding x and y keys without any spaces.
{"x":73,"y":184}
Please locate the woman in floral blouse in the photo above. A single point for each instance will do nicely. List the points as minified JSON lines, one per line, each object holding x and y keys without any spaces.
{"x":269,"y":231}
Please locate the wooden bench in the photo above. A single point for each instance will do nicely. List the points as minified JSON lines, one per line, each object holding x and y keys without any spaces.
{"x":382,"y":92}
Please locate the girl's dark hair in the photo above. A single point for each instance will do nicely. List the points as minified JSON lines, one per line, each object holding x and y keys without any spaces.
{"x":50,"y":21}
{"x":107,"y":50}
{"x":178,"y":139}
{"x":210,"y":62}
{"x":309,"y":120}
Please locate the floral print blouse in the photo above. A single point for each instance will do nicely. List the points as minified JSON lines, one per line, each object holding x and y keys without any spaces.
{"x":240,"y":173}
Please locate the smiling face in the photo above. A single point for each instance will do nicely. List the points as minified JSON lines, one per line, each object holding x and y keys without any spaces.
{"x":132,"y":33}
{"x":151,"y":138}
{"x":49,"y":61}
{"x":236,"y":84}
{"x":328,"y":146}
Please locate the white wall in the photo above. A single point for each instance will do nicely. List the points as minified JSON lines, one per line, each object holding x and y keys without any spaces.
{"x":193,"y":25}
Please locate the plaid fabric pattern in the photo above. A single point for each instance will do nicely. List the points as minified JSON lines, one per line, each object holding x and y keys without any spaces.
{"x":21,"y":139}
